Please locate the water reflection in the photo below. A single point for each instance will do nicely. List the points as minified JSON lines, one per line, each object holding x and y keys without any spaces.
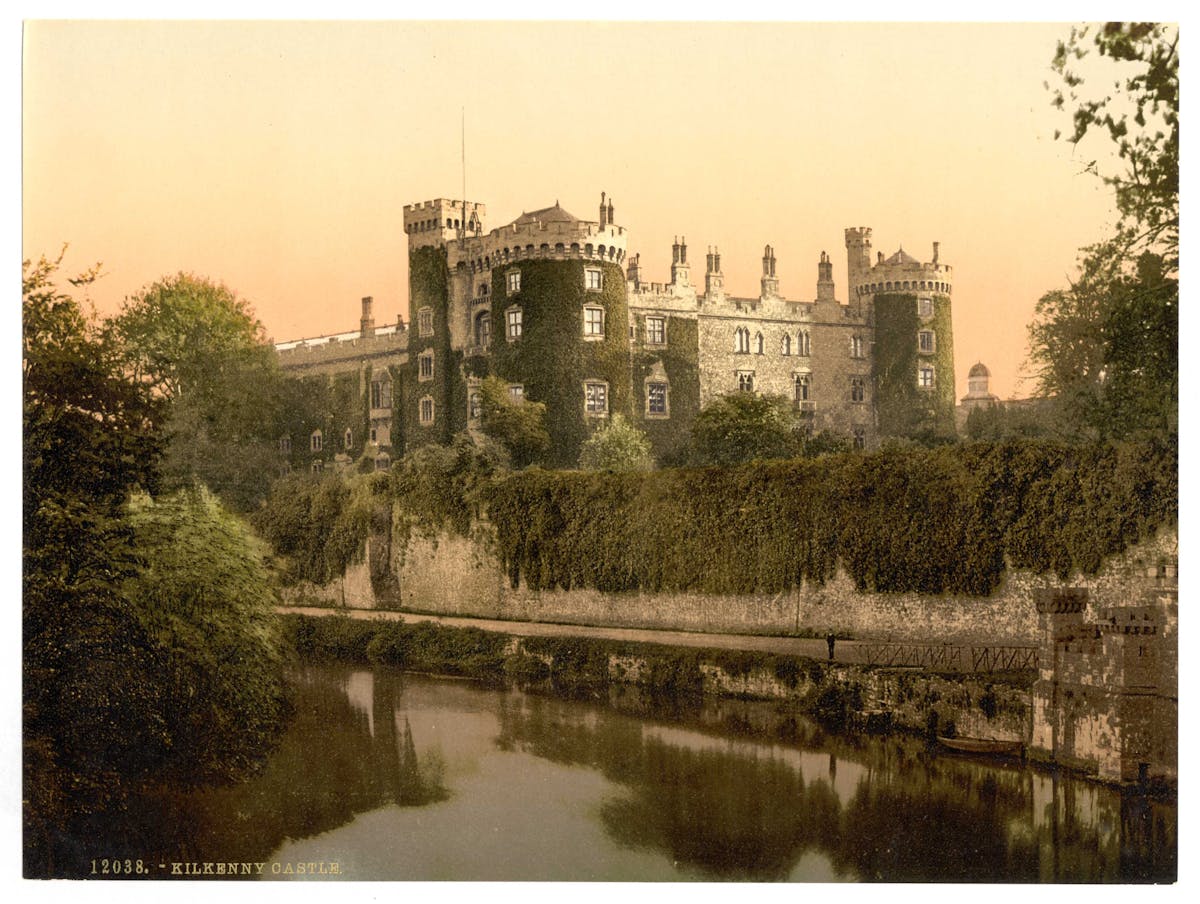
{"x":405,"y":777}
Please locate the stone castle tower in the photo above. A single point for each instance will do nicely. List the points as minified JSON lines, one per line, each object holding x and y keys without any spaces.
{"x":908,"y":303}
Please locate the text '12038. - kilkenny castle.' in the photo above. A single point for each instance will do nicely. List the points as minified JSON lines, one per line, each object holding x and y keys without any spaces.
{"x":558,"y":308}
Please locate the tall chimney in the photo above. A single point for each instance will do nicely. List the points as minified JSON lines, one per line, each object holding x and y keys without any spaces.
{"x":367,"y":324}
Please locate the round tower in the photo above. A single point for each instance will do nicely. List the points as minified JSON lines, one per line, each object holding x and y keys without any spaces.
{"x":908,"y":303}
{"x":560,"y":315}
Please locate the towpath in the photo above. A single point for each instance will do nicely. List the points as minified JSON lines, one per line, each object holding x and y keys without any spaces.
{"x":814,"y":648}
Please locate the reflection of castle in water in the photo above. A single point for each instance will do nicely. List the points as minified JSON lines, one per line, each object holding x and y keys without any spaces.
{"x":870,"y":809}
{"x":393,"y":753}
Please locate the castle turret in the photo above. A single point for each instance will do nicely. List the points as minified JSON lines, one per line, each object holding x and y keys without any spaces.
{"x":633,"y":272}
{"x":770,"y":284}
{"x":680,"y":271}
{"x":825,"y":278}
{"x":858,"y":258}
{"x":366,"y":326}
{"x":714,"y":280}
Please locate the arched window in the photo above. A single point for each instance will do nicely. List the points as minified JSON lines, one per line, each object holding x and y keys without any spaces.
{"x":314,"y":441}
{"x":758,"y":343}
{"x":802,"y":344}
{"x":785,"y":347}
{"x":348,"y":439}
{"x":741,"y":341}
{"x":483,"y":329}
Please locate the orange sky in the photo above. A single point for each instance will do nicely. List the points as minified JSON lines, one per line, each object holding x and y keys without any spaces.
{"x":276,"y":157}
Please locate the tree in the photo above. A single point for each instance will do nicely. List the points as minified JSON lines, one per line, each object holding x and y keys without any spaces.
{"x":199,"y":346}
{"x":1106,"y":348}
{"x":88,"y":689}
{"x":1140,"y":117}
{"x":207,"y":603}
{"x":519,"y":426}
{"x":148,"y":651}
{"x":616,"y":446}
{"x":743,"y":426}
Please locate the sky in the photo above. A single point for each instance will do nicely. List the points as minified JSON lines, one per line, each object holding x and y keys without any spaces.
{"x":276,"y":157}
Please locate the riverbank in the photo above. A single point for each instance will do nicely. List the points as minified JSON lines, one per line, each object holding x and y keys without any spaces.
{"x":840,"y":694}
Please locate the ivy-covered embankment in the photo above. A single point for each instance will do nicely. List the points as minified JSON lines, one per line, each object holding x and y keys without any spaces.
{"x":905,"y":519}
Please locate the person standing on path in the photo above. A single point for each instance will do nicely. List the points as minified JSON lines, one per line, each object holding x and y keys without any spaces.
{"x":829,"y":641}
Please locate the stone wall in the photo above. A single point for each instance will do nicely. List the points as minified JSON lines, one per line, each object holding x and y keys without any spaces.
{"x":453,"y":575}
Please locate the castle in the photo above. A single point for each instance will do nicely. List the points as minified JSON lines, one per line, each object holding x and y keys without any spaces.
{"x":557,"y":307}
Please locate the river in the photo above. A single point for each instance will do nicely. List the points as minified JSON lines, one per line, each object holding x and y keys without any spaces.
{"x":388,"y":775}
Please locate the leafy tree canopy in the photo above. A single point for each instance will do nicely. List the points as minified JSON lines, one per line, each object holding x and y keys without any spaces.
{"x":743,"y":426}
{"x":1107,"y":347}
{"x":1138,"y":115}
{"x":616,"y":446}
{"x":200,"y":346}
{"x":519,"y":426}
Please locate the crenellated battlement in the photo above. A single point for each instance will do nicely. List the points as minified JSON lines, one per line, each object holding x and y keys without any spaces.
{"x":539,"y":240}
{"x":899,"y":273}
{"x":317,"y":351}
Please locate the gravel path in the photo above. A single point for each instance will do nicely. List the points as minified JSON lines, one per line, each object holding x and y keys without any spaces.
{"x":814,"y":648}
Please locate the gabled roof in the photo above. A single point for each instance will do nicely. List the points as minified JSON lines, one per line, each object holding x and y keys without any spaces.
{"x":553,"y":214}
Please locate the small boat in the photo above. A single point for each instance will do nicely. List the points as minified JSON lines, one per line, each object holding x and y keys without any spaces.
{"x":982,"y":746}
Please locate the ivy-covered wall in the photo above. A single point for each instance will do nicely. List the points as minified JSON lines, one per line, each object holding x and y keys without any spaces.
{"x":552,"y":359}
{"x":679,"y":359}
{"x":905,"y":408}
{"x":943,"y":520}
{"x":428,"y":286}
{"x":331,"y":404}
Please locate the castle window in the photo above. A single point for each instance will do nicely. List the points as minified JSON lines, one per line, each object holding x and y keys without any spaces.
{"x":925,"y":377}
{"x":382,"y":462}
{"x":426,"y":412}
{"x":741,"y":341}
{"x":381,"y":394}
{"x":858,"y":390}
{"x":925,"y":307}
{"x":425,"y":364}
{"x":514,"y":281}
{"x":285,"y":445}
{"x":559,"y":248}
{"x":802,"y":384}
{"x":483,"y":329}
{"x":314,"y":441}
{"x":513,"y":324}
{"x":593,"y":322}
{"x":925,"y":341}
{"x":516,"y":392}
{"x":474,"y":406}
{"x":785,"y":347}
{"x":758,"y":343}
{"x":656,"y":331}
{"x":348,"y":439}
{"x":860,"y":438}
{"x":318,"y":466}
{"x":856,"y":347}
{"x":425,"y":322}
{"x":593,"y":279}
{"x":595,"y":396}
{"x":803,"y":346}
{"x":374,"y":435}
{"x":745,"y":381}
{"x":656,"y":400}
